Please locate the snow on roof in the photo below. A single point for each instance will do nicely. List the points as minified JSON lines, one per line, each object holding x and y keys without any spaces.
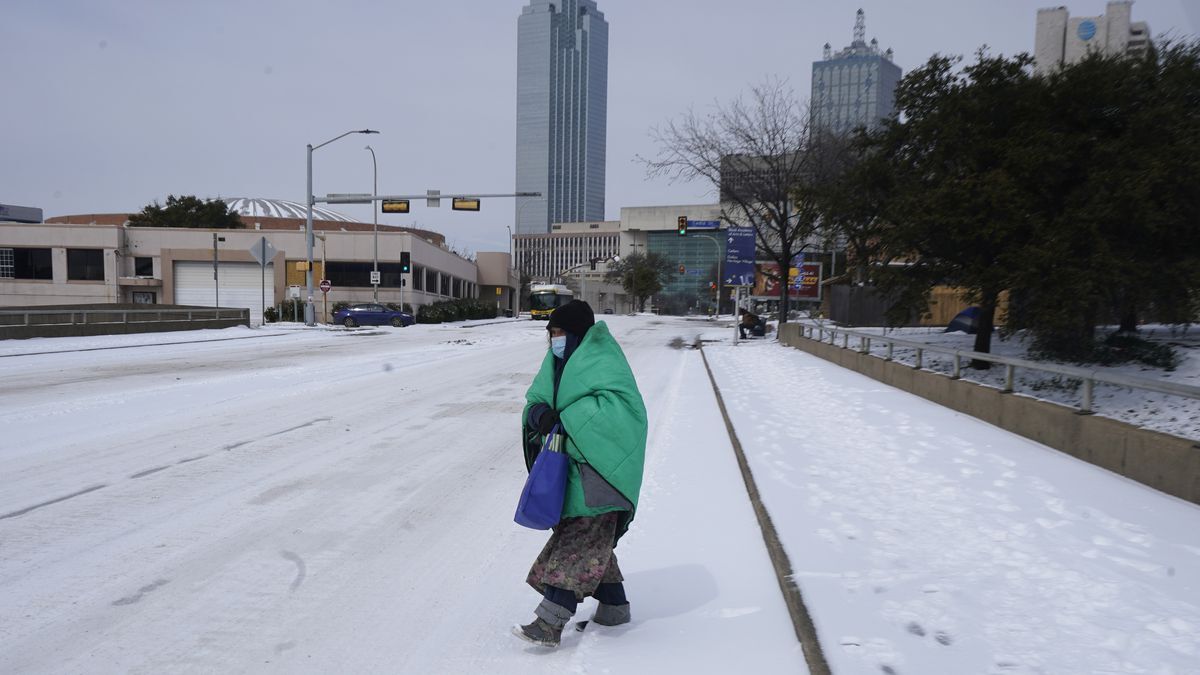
{"x":280,"y":208}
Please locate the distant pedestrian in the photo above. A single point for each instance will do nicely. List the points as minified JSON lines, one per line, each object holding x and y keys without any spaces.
{"x":586,"y":386}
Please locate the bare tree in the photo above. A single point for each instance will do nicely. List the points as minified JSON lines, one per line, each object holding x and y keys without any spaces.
{"x":755,"y":154}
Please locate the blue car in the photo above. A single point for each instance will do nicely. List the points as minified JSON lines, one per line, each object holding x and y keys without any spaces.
{"x":372,"y":315}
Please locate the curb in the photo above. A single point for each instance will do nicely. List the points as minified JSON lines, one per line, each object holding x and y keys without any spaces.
{"x":802,"y":622}
{"x":148,"y":344}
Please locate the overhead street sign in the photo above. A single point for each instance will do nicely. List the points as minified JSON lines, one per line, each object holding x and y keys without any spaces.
{"x":350,"y":197}
{"x":704,"y":224}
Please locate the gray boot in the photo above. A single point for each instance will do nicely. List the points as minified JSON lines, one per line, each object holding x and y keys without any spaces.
{"x":611,"y":615}
{"x":546,"y":630}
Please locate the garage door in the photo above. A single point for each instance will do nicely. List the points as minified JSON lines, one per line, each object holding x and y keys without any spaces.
{"x":241,"y":286}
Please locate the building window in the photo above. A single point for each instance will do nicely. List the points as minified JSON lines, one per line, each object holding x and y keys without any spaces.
{"x":143,"y":266}
{"x":25,"y":263}
{"x":85,"y":264}
{"x":418,"y":276}
{"x":358,"y":274}
{"x":143,"y":297}
{"x":445,"y":285}
{"x":431,"y":281}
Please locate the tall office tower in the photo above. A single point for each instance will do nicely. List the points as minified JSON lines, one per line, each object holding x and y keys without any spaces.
{"x":562,"y":109}
{"x":1060,"y":39}
{"x":854,"y":87}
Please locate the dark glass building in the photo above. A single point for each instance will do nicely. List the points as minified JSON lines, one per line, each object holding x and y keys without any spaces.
{"x":562,"y":104}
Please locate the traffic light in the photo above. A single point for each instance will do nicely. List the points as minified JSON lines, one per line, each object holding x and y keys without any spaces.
{"x":683,"y":226}
{"x":394,"y":205}
{"x":405,"y":262}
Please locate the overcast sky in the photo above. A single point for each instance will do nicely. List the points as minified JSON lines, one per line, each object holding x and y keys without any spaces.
{"x":110,"y":104}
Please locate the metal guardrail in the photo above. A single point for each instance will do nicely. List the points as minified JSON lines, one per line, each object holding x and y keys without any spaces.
{"x":80,"y":317}
{"x":1088,"y":377}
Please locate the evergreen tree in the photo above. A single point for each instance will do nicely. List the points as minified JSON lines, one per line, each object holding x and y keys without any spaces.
{"x":959,"y":156}
{"x":1118,"y":238}
{"x":641,"y":275}
{"x":187,"y":211}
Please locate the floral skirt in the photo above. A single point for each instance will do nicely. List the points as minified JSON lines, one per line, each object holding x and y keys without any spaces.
{"x":578,"y":557}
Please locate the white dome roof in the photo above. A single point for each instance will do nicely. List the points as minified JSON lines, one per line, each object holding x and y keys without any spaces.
{"x":280,"y":208}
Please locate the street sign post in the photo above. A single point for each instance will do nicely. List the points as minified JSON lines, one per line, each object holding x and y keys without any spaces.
{"x":325,"y":286}
{"x":375,"y":274}
{"x":263,"y":251}
{"x":294,"y":294}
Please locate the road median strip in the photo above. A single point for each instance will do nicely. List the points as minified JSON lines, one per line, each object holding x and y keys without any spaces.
{"x":802,"y":622}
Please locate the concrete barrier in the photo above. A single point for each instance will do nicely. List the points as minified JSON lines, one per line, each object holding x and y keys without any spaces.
{"x":1164,"y":462}
{"x":82,"y":320}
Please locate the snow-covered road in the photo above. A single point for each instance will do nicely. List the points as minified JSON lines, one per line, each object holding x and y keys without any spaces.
{"x":281,"y":500}
{"x":341,"y":501}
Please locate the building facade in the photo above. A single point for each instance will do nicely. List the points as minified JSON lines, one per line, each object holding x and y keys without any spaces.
{"x":562,"y":104}
{"x":854,"y":87}
{"x":547,"y":256}
{"x":1060,"y":39}
{"x":97,"y":259}
{"x":654,"y":229}
{"x":564,"y":254}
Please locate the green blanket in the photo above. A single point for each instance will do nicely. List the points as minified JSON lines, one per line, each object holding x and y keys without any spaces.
{"x":604,"y":417}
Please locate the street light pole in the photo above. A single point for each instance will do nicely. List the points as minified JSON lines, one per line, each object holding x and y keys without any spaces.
{"x":309,"y":311}
{"x":375,"y":212}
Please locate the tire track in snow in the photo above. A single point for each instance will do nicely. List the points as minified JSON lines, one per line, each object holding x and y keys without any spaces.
{"x":158,"y":469}
{"x":35,"y":507}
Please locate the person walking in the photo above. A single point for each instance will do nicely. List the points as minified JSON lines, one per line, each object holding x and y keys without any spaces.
{"x":585,"y":386}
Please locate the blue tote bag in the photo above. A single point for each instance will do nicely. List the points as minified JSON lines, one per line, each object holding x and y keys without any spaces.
{"x":541,"y":502}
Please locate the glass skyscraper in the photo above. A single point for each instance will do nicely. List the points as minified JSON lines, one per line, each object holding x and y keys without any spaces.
{"x":855,"y":87}
{"x":562,"y":104}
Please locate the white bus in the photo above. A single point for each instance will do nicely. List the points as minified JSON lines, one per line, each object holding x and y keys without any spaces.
{"x":544,"y":298}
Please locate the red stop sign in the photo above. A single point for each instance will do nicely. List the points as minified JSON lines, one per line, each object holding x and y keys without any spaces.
{"x":325,"y":285}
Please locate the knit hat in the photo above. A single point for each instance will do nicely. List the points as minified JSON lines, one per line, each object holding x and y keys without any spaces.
{"x":575,"y":317}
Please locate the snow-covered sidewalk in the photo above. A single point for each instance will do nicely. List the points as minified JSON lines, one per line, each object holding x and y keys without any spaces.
{"x":925,"y":541}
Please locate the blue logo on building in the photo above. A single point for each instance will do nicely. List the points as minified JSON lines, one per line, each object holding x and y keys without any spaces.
{"x":1086,"y":30}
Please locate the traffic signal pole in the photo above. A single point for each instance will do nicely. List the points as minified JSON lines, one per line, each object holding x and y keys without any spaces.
{"x":400,"y":204}
{"x":683,"y":231}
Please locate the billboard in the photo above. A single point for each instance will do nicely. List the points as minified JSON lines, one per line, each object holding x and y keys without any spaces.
{"x":804,"y":281}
